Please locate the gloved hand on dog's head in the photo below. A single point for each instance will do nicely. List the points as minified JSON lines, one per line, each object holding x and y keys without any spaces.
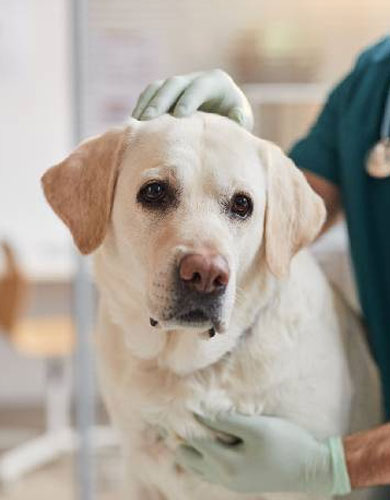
{"x":212,"y":91}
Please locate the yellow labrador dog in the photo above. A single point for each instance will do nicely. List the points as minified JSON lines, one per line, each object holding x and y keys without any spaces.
{"x":208,"y":301}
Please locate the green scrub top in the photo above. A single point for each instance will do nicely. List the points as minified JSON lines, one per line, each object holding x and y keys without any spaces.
{"x":336,"y":149}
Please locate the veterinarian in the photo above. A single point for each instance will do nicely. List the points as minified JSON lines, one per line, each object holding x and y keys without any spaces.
{"x":346,"y":159}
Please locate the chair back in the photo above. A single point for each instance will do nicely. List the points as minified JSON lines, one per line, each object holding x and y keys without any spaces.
{"x":13,"y":290}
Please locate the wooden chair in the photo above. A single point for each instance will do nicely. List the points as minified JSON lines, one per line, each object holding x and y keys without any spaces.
{"x":51,"y":338}
{"x":43,"y":336}
{"x":13,"y":291}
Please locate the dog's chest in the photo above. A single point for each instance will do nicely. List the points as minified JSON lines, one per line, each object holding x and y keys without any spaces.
{"x":231,"y":385}
{"x":254,"y":379}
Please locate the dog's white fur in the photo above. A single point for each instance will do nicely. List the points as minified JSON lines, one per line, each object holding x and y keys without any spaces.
{"x":291,"y":347}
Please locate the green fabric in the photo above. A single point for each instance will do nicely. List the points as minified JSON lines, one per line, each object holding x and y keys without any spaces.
{"x":336,"y":149}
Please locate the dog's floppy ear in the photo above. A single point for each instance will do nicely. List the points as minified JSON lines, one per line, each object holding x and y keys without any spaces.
{"x":294,"y":212}
{"x":80,"y":189}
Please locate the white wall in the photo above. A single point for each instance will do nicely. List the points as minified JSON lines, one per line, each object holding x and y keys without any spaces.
{"x":35,"y":124}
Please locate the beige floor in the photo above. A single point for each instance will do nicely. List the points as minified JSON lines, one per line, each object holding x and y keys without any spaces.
{"x":56,"y":481}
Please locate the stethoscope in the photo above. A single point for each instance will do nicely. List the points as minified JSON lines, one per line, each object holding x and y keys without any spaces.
{"x":378,"y":160}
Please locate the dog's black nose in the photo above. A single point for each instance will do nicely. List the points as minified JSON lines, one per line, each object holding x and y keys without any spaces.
{"x":204,"y":272}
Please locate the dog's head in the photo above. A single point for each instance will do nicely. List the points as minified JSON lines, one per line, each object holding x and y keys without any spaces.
{"x":181,"y":213}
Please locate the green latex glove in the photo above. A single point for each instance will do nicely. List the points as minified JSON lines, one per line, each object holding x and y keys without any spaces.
{"x":271,"y":455}
{"x":213,"y":91}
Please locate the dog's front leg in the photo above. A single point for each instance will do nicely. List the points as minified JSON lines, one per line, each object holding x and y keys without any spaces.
{"x":146,"y":466}
{"x":136,"y":485}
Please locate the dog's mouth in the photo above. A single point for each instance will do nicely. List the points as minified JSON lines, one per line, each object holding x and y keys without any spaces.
{"x":195,"y":316}
{"x":193,"y":319}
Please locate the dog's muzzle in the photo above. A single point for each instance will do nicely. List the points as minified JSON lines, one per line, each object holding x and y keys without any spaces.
{"x":200,"y":282}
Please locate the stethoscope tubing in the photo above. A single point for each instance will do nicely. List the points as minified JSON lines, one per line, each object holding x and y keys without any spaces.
{"x":385,"y":126}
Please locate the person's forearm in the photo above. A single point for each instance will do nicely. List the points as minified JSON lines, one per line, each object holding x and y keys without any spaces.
{"x":368,"y":457}
{"x":330,"y":193}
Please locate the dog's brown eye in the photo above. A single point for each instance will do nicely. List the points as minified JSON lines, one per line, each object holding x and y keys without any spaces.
{"x":158,"y":196}
{"x":241,"y":205}
{"x":153,"y":192}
